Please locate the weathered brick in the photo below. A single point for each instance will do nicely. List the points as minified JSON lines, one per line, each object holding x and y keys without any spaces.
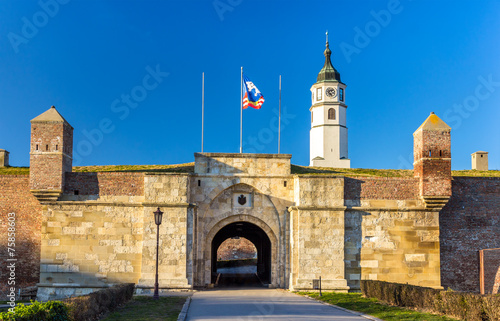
{"x":15,"y":197}
{"x":468,"y":223}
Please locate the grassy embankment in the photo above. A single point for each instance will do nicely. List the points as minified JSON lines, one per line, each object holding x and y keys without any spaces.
{"x":356,"y":302}
{"x":145,"y":308}
{"x":295,"y":170}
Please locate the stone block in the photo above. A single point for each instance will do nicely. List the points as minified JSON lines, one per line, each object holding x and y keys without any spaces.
{"x":415,"y":257}
{"x":53,"y":242}
{"x":369,"y":263}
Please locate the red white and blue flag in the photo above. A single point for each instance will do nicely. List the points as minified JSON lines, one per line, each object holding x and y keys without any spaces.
{"x":252,"y":96}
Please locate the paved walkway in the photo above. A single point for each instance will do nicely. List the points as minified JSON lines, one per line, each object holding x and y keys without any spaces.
{"x":261,"y":304}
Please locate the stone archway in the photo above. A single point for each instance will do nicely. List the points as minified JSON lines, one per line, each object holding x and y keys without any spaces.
{"x":255,"y":235}
{"x":260,"y":234}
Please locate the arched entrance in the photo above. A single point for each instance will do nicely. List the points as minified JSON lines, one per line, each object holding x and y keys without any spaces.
{"x":255,"y":235}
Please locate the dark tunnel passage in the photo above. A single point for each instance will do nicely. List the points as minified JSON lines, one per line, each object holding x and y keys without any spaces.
{"x":263,"y":245}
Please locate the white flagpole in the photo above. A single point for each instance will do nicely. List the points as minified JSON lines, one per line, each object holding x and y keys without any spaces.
{"x":202,"y":107}
{"x":279,"y":121}
{"x":241,"y":113}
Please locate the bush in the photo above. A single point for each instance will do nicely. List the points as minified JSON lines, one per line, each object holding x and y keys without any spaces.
{"x":466,"y":306}
{"x":491,"y":305}
{"x":94,"y":305}
{"x":37,"y":311}
{"x":82,"y":308}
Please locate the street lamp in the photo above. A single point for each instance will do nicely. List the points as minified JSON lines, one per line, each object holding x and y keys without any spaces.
{"x":158,"y":215}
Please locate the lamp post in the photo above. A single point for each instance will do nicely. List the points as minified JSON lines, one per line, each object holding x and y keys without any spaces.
{"x":158,"y":215}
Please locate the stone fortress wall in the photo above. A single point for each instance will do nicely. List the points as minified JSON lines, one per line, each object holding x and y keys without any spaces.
{"x":98,"y":229}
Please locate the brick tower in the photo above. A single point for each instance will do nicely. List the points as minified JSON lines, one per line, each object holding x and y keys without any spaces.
{"x":432,"y":161}
{"x":50,"y":154}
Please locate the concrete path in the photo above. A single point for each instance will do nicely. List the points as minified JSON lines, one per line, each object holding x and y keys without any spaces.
{"x":261,"y":304}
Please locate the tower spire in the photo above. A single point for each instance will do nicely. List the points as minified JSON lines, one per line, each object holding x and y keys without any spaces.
{"x":328,"y":72}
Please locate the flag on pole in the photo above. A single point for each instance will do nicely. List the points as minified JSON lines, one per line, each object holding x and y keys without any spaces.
{"x":252,"y":96}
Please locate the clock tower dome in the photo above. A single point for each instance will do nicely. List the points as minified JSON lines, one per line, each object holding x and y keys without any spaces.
{"x":328,"y":135}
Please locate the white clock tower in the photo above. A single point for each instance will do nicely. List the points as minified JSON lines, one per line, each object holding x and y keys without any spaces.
{"x":328,"y":135}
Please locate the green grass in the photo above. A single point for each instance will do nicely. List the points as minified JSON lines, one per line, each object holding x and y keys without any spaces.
{"x":475,"y":173}
{"x":145,"y":308}
{"x":356,"y":302}
{"x":365,"y":172}
{"x":14,"y":170}
{"x":295,"y":170}
{"x":178,"y":168}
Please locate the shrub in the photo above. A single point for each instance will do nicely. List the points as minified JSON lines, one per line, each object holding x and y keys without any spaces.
{"x":491,"y":305}
{"x":465,"y":306}
{"x":95,"y":304}
{"x":82,"y":308}
{"x":37,"y":311}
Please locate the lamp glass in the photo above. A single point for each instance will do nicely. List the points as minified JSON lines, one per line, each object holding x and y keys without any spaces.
{"x":158,"y":216}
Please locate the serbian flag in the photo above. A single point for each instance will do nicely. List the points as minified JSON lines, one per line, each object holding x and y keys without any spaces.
{"x":252,"y":96}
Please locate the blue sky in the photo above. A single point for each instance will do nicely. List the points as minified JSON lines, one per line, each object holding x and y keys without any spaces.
{"x":400,"y":60}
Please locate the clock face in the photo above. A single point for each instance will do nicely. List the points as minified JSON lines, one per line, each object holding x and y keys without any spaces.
{"x":331,"y":92}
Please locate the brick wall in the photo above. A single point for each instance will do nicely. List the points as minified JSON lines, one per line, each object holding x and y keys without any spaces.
{"x":468,"y":223}
{"x":432,"y":156}
{"x":105,"y":183}
{"x":435,"y":176}
{"x":45,"y":172}
{"x":437,"y":142}
{"x":15,"y":197}
{"x":380,"y":188}
{"x":236,"y":249}
{"x":50,"y":152}
{"x":491,"y":263}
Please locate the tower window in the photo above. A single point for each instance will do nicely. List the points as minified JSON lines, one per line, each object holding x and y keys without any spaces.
{"x":46,"y":147}
{"x":341,"y":94}
{"x":440,"y":153}
{"x":284,"y":183}
{"x":57,"y":147}
{"x":312,"y":116}
{"x":429,"y":153}
{"x":319,"y":94}
{"x":199,"y":182}
{"x":331,"y":113}
{"x":36,"y":147}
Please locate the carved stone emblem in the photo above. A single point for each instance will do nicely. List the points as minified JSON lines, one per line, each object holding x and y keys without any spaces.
{"x":242,"y":200}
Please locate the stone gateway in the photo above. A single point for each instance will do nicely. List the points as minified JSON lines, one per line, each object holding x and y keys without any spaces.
{"x":82,"y":231}
{"x":98,"y":228}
